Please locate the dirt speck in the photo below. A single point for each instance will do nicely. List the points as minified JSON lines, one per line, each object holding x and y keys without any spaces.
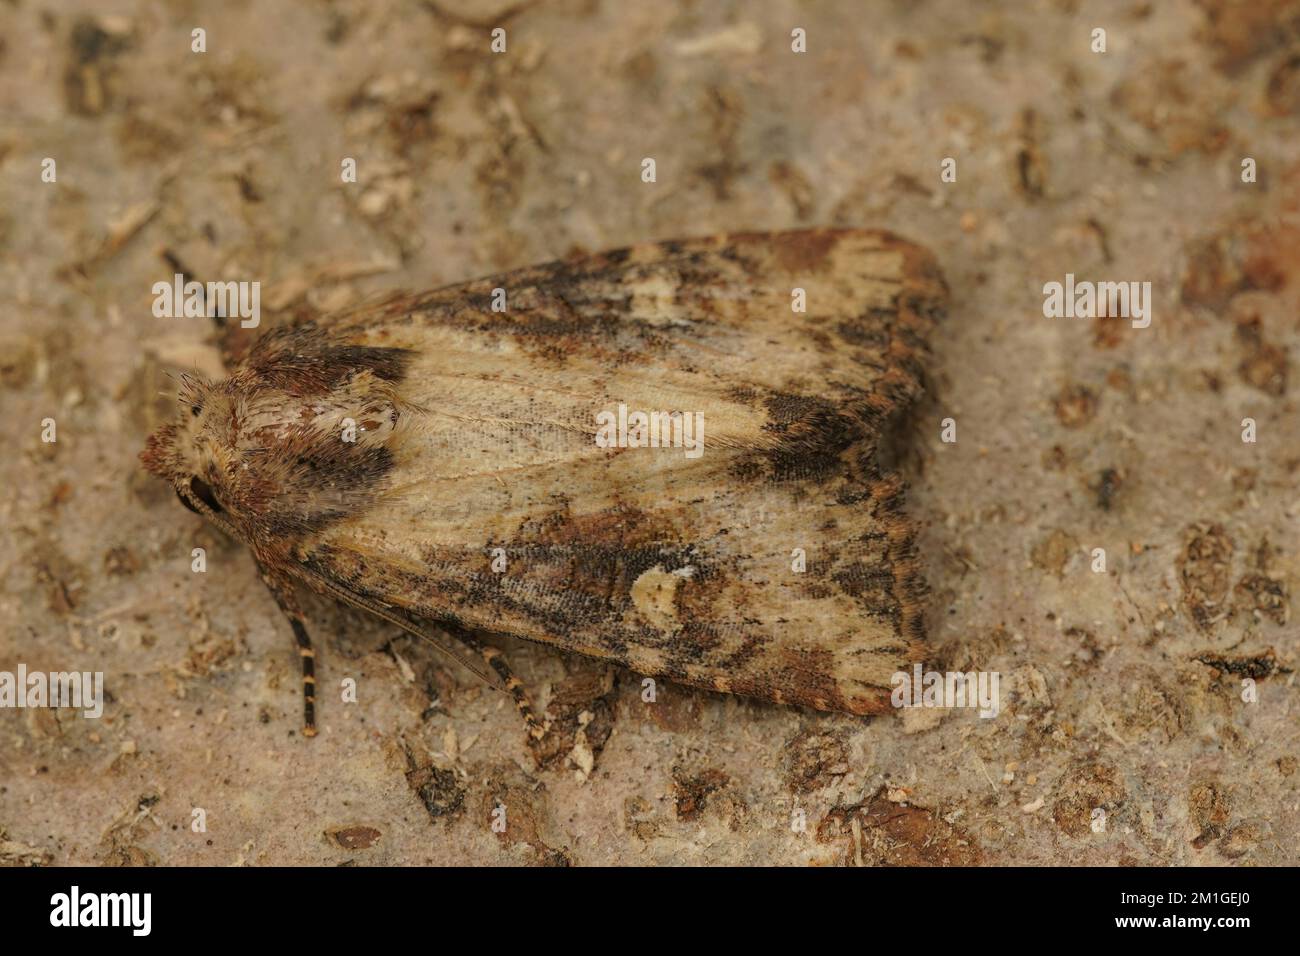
{"x":1052,"y":552}
{"x":1085,"y":789}
{"x":1209,"y":806}
{"x":881,"y":832}
{"x":353,"y":836}
{"x":814,"y":760}
{"x":692,"y":790}
{"x":1076,"y":406}
{"x":1205,"y":571}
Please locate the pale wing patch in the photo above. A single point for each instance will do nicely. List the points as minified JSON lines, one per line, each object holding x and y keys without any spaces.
{"x":653,"y":595}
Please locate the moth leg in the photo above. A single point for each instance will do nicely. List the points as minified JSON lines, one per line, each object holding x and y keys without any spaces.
{"x":451,"y":640}
{"x":512,"y":684}
{"x":440,"y":637}
{"x":281,"y":589}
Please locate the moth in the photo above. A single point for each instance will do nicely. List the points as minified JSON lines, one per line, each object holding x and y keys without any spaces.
{"x":475,"y":460}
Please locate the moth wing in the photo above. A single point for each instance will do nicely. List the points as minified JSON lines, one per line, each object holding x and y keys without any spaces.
{"x":769,"y":559}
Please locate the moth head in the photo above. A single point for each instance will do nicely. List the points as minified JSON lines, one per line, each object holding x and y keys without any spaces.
{"x":259,"y":460}
{"x":195,"y":451}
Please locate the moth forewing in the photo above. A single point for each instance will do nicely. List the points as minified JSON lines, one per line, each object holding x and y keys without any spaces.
{"x":738,"y":537}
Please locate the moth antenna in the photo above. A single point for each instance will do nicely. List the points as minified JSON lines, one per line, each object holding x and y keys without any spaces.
{"x":200,"y":507}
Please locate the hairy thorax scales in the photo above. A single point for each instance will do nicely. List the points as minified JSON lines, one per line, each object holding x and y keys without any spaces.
{"x":294,"y":440}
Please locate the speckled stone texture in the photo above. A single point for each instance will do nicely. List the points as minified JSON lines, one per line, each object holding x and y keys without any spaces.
{"x":1123,"y":736}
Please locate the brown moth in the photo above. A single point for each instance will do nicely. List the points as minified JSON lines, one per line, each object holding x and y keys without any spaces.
{"x":476,"y":459}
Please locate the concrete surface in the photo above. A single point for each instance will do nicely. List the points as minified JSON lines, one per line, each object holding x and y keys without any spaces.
{"x":1122,"y":691}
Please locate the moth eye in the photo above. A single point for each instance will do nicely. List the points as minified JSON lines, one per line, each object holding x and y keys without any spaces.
{"x":203,"y":491}
{"x":195,"y":409}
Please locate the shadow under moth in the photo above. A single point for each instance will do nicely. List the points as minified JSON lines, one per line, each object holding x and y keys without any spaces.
{"x":652,"y":456}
